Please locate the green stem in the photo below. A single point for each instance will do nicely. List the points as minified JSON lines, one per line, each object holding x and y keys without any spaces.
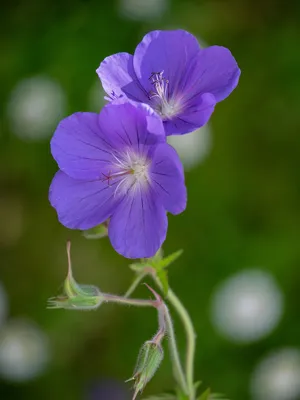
{"x":111,"y":298}
{"x":191,"y":337}
{"x":135,"y":283}
{"x":191,"y":340}
{"x":177,"y":368}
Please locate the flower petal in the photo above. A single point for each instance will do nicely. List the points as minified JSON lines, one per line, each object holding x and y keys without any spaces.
{"x":78,"y":148}
{"x":138,"y":227}
{"x":196,"y":114}
{"x":81,"y":204}
{"x":167,"y":178}
{"x":133,"y":125}
{"x":214,"y":71}
{"x":118,"y":77}
{"x":167,"y":51}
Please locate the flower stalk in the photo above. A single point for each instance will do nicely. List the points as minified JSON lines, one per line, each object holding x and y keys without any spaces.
{"x":185,"y":378}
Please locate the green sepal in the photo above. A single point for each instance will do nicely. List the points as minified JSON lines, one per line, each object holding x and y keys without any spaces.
{"x":97,"y":232}
{"x":76,"y":296}
{"x":88,"y":297}
{"x":149,"y":360}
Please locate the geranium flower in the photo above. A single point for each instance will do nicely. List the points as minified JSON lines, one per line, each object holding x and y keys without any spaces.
{"x":170,"y":72}
{"x":117,"y":165}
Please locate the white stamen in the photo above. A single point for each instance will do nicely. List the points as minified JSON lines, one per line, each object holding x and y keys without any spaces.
{"x":129,"y":171}
{"x":166,"y":106}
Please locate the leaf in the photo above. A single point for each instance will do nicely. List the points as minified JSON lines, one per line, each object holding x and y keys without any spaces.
{"x":97,"y":232}
{"x":139,"y":267}
{"x":197,"y":385}
{"x":181,"y":395}
{"x":217,"y":396}
{"x":166,"y":261}
{"x":161,"y":264}
{"x":163,"y":277}
{"x":205,"y":395}
{"x":163,"y":396}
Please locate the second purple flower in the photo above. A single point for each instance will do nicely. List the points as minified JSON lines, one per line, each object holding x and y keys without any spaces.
{"x":170,"y":72}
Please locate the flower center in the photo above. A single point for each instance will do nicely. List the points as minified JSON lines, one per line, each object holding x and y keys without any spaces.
{"x":166,"y":106}
{"x":129,"y":171}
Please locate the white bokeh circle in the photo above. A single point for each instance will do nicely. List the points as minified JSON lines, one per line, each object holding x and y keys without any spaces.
{"x":192,"y":147}
{"x":24,"y":351}
{"x":277,"y":376}
{"x":35,"y":107}
{"x":143,"y":10}
{"x":247,"y":306}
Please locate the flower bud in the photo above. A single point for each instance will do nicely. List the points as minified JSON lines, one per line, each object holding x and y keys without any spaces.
{"x":149,"y":359}
{"x":75,"y":296}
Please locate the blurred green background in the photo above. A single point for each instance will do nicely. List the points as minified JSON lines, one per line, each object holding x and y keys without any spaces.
{"x":243,"y":207}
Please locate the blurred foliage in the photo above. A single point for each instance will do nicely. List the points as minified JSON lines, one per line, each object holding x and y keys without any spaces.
{"x":243,"y":208}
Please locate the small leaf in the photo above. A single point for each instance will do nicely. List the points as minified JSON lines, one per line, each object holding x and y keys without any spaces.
{"x":163,"y":277}
{"x":166,"y":261}
{"x":163,"y":396}
{"x":181,"y":396}
{"x":139,"y":267}
{"x":205,"y":395}
{"x":217,"y":396}
{"x":97,"y":232}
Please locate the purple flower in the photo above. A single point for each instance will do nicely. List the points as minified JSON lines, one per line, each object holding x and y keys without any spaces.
{"x":170,"y":72}
{"x":117,"y":165}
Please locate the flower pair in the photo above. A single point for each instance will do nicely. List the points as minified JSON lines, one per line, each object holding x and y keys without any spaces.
{"x":116,"y":165}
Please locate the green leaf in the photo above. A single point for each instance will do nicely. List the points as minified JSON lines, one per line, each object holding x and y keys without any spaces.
{"x":97,"y":232}
{"x":163,"y":396}
{"x":205,"y":395}
{"x":181,"y":395}
{"x":139,"y":267}
{"x":163,"y":277}
{"x":159,"y":265}
{"x":217,"y":396}
{"x":166,"y":261}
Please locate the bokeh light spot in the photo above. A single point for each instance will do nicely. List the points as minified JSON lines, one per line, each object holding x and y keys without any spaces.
{"x":193,"y":147}
{"x":143,"y":9}
{"x":277,"y":376}
{"x":3,"y":305}
{"x":247,"y":306}
{"x":24,"y":351}
{"x":35,"y":106}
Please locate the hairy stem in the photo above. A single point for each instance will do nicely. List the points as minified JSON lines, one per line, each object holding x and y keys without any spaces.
{"x":177,"y":368}
{"x":112,"y":298}
{"x":190,"y":334}
{"x":191,"y":340}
